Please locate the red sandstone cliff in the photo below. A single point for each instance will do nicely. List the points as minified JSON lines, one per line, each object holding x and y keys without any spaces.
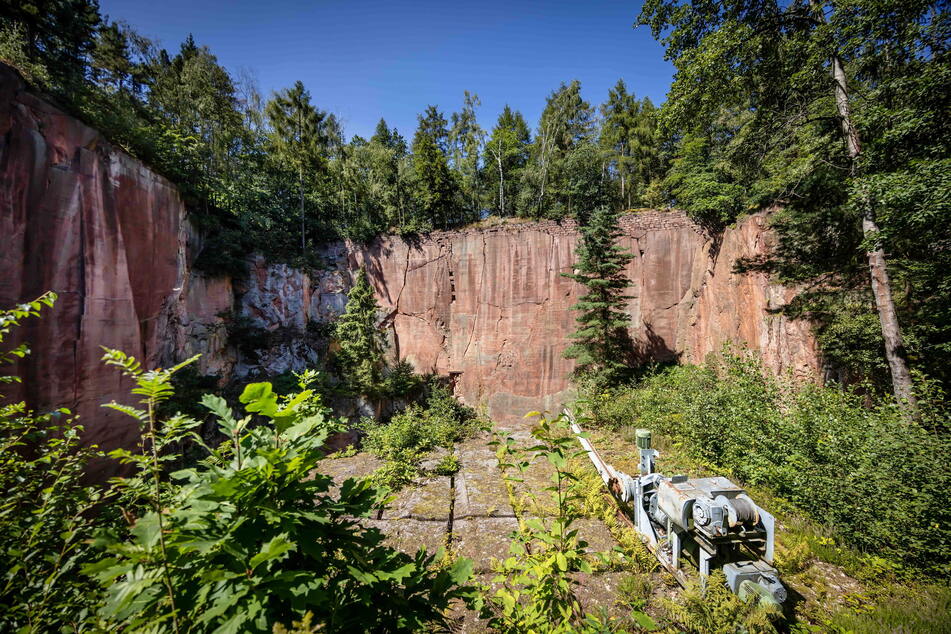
{"x":486,"y":306}
{"x":84,"y":219}
{"x":490,"y":307}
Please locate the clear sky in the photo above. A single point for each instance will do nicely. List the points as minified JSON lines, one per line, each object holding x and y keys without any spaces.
{"x":367,"y":59}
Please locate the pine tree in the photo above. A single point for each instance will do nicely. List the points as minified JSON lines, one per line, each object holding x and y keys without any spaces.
{"x":629,"y":136}
{"x":362,"y":343}
{"x":298,"y":137}
{"x":601,"y":342}
{"x":435,"y":187}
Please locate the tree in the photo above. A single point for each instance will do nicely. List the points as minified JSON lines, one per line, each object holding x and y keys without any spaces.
{"x":629,"y":135}
{"x":465,"y":142}
{"x":436,"y":188}
{"x":566,"y":121}
{"x":389,"y":159}
{"x":195,"y":95}
{"x":59,"y":34}
{"x":362,"y":342}
{"x":111,"y":57}
{"x":506,"y":153}
{"x":298,"y":137}
{"x":602,"y":343}
{"x":769,"y":86}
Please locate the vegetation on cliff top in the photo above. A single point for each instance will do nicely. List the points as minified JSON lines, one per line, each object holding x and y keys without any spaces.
{"x":774,"y":105}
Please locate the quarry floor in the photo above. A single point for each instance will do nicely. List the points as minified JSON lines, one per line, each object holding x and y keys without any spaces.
{"x":470,"y":513}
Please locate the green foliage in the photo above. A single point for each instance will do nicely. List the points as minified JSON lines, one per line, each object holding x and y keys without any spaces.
{"x":906,"y":609}
{"x":436,"y":188}
{"x":10,"y":319}
{"x":46,"y":512}
{"x":46,"y":516}
{"x":14,"y":52}
{"x":465,"y":145}
{"x":409,"y":435}
{"x":602,"y":345}
{"x":566,"y":124}
{"x":401,"y":380}
{"x":506,"y":154}
{"x":535,"y":586}
{"x":821,"y":448}
{"x":361,"y":341}
{"x":716,"y":610}
{"x":629,"y":134}
{"x":752,"y":121}
{"x":252,"y":536}
{"x":298,"y":139}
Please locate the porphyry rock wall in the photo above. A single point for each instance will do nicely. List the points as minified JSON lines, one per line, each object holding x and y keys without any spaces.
{"x":490,"y":308}
{"x":486,"y":306}
{"x":80,"y":217}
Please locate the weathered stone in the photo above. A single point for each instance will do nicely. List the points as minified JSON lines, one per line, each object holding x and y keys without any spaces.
{"x":596,"y":534}
{"x":483,"y":539}
{"x":409,"y":535}
{"x":82,"y":218}
{"x":599,"y":591}
{"x":340,"y":469}
{"x":430,"y":499}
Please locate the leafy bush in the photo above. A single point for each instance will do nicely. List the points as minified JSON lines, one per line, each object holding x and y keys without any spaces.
{"x":876,"y":477}
{"x":409,"y":435}
{"x":45,"y":513}
{"x":253,"y":536}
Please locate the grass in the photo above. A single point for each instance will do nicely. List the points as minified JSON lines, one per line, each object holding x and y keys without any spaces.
{"x":836,"y":588}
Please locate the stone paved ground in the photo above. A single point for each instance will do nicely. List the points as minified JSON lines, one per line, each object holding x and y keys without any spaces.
{"x":471,"y":513}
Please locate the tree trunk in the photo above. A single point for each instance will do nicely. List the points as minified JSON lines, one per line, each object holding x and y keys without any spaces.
{"x":498,"y":157}
{"x":881,"y":286}
{"x":300,"y":188}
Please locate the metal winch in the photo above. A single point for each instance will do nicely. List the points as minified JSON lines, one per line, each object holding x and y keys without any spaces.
{"x":710,"y":520}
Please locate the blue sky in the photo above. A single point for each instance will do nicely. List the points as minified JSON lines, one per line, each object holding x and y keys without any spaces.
{"x":364,"y":60}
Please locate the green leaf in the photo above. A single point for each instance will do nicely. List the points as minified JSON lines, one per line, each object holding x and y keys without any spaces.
{"x":461,"y":570}
{"x":259,"y":398}
{"x":276,"y":548}
{"x":644,"y":620}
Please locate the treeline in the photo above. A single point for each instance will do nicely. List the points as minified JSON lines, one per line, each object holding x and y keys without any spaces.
{"x":281,"y":166}
{"x":832,"y":112}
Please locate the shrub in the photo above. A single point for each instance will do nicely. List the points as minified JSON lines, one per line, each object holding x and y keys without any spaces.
{"x":874,"y":476}
{"x":252,"y":536}
{"x":45,"y":513}
{"x":409,"y":435}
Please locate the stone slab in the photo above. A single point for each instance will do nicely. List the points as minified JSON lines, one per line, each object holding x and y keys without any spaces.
{"x":430,"y":500}
{"x":483,"y":539}
{"x":409,"y":535}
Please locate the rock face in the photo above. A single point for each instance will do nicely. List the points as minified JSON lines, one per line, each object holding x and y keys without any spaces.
{"x":487,"y":307}
{"x":490,"y":307}
{"x":84,"y":219}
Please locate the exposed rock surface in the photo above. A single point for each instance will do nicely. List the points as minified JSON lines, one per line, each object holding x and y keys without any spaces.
{"x":79,"y":217}
{"x":488,"y":307}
